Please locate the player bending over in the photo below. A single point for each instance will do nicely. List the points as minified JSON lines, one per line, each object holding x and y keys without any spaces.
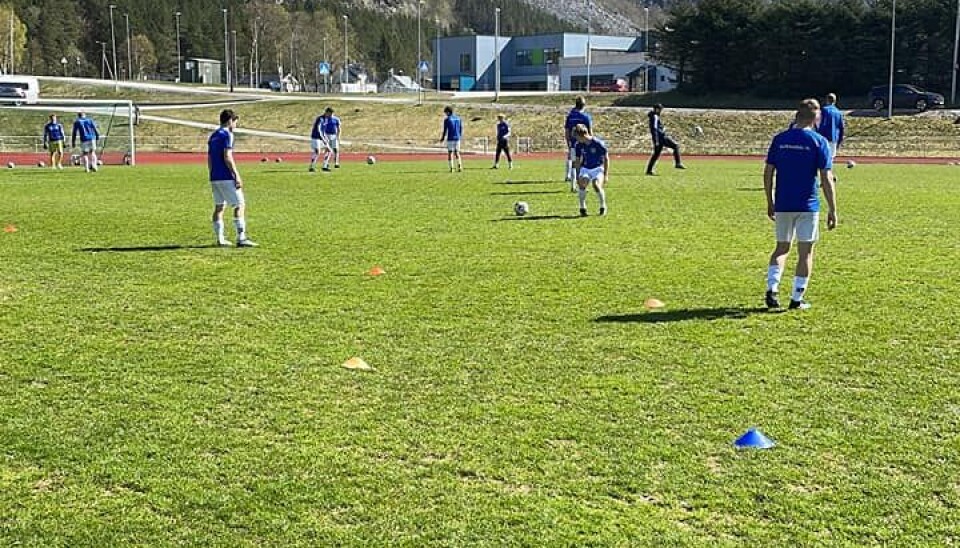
{"x":225,"y":181}
{"x":452,"y":133}
{"x":592,"y":164}
{"x":86,"y":129}
{"x":53,"y":139}
{"x":790,"y":182}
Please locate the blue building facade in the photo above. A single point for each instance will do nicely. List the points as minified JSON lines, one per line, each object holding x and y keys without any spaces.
{"x":468,"y":63}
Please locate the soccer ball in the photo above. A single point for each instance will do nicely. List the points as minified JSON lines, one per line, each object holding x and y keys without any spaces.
{"x":279,"y":160}
{"x":264,"y":159}
{"x":41,"y":164}
{"x":11,"y":165}
{"x":521,"y":208}
{"x":99,"y":162}
{"x":75,"y":159}
{"x":851,"y":164}
{"x":371,"y":160}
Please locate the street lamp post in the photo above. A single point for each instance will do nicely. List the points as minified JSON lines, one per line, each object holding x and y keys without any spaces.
{"x":236,"y":67}
{"x":419,"y":57}
{"x":113,"y":41}
{"x":436,"y":60}
{"x":126,"y":17}
{"x":226,"y":48}
{"x":646,"y":48}
{"x":256,"y":54}
{"x":496,"y":53}
{"x":63,"y":61}
{"x":893,"y":41}
{"x":179,"y":57}
{"x":956,"y":44}
{"x":346,"y":57}
{"x":103,"y":60}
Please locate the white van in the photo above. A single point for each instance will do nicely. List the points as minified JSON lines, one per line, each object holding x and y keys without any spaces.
{"x":28,"y":86}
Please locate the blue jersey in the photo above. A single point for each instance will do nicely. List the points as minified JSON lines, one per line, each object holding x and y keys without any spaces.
{"x":452,"y":128}
{"x":831,"y":124}
{"x":86,"y":129}
{"x":657,"y":131}
{"x":574,"y":117}
{"x":317,"y":131}
{"x":592,"y":153}
{"x":53,"y":132}
{"x":220,"y":141}
{"x":798,"y":154}
{"x":332,"y":125}
{"x":503,"y":129}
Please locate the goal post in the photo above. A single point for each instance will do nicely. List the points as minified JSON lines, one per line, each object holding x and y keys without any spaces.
{"x":21,"y":127}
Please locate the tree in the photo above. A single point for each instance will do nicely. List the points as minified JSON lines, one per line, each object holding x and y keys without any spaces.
{"x":13,"y":34}
{"x":144,"y":56}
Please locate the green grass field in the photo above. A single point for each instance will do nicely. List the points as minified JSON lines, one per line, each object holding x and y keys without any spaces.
{"x":156,"y":391}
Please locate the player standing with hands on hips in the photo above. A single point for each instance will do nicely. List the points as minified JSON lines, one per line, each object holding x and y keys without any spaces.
{"x":592,"y":165}
{"x":795,"y":158}
{"x":225,"y":181}
{"x":661,"y":140}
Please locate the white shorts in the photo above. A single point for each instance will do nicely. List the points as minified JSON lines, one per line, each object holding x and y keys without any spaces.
{"x":453,"y":146}
{"x":571,"y":154}
{"x":804,"y":225}
{"x":319,"y":145}
{"x":333,"y":141}
{"x":88,"y":146}
{"x":226,"y":192}
{"x":833,"y":149}
{"x":591,"y":173}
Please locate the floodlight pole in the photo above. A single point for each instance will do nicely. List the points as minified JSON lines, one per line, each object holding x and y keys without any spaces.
{"x":113,"y":41}
{"x":956,"y":44}
{"x":179,"y":57}
{"x":346,"y":57}
{"x":646,"y":48}
{"x":587,"y":59}
{"x":496,"y":53}
{"x":416,"y":68}
{"x":126,"y":17}
{"x":226,"y":49}
{"x":893,"y":41}
{"x":436,"y":61}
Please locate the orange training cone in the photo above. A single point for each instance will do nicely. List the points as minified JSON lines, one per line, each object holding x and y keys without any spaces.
{"x":357,"y":363}
{"x":376,"y":271}
{"x":9,"y":228}
{"x":653,"y":303}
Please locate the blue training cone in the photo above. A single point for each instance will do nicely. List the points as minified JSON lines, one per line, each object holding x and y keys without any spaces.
{"x":753,"y":439}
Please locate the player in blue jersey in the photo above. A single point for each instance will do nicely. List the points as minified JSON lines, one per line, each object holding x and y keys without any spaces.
{"x":318,"y":141}
{"x":503,"y":141}
{"x":831,"y":124}
{"x":660,"y":140}
{"x":795,"y":158}
{"x":576,"y":116}
{"x":53,"y":139}
{"x":452,"y":134}
{"x":225,"y":181}
{"x":331,"y":134}
{"x":86,"y":129}
{"x":592,"y":163}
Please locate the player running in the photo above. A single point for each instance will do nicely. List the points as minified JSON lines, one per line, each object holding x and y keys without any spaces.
{"x":452,"y":133}
{"x":794,"y":159}
{"x":86,"y":129}
{"x":503,"y":142}
{"x":53,"y":140}
{"x":318,"y":141}
{"x":576,"y":116}
{"x":592,"y":164}
{"x":831,"y":124}
{"x":331,"y":133}
{"x":225,"y":181}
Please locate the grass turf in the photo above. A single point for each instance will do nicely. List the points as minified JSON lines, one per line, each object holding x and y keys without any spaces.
{"x":157,"y":391}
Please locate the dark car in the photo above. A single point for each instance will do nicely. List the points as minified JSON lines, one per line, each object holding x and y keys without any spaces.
{"x":905,"y":96}
{"x":17,"y":95}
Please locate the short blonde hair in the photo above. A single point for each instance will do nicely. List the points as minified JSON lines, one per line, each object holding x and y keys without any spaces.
{"x":580,"y":130}
{"x":808,"y":111}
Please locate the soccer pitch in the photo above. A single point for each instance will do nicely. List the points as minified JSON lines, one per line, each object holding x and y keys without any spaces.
{"x":157,"y":390}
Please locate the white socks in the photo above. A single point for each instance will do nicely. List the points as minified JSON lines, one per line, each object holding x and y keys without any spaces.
{"x":218,"y":230}
{"x":773,"y":278}
{"x":799,"y":287}
{"x":603,"y":198}
{"x":241,"y":226}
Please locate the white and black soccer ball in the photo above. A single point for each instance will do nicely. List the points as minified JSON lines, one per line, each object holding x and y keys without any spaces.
{"x":41,"y":164}
{"x":371,"y":159}
{"x":521,"y":208}
{"x":75,"y":159}
{"x":851,"y":164}
{"x":99,"y":162}
{"x":11,"y":165}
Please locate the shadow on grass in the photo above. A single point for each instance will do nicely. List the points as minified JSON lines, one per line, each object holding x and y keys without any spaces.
{"x":750,"y":189}
{"x":129,"y":249}
{"x":535,"y":218}
{"x":526,"y":192}
{"x":706,"y":314}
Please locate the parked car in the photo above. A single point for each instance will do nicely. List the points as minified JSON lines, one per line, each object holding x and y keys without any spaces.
{"x":905,"y":96}
{"x":619,"y":86}
{"x":18,"y":95}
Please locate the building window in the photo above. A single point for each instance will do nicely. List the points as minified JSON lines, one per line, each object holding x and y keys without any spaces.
{"x":552,"y":55}
{"x":466,"y":63}
{"x":523,"y":58}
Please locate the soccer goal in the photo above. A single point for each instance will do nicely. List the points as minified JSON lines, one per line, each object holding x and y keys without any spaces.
{"x":21,"y":128}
